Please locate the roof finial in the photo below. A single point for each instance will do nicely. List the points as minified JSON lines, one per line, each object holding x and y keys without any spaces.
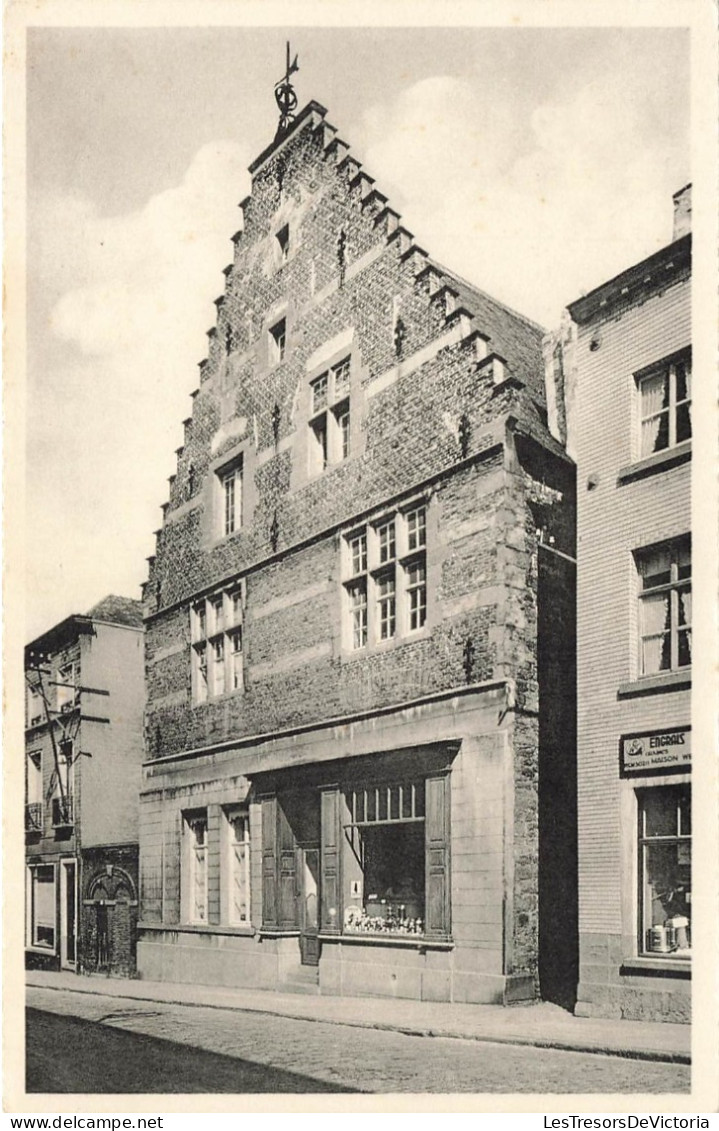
{"x":285,"y":96}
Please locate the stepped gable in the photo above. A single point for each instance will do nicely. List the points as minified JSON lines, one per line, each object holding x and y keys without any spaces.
{"x":515,"y":338}
{"x":118,"y":610}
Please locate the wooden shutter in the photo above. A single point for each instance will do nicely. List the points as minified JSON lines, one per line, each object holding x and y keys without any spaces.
{"x":269,"y":862}
{"x":287,"y":911}
{"x":437,"y":856}
{"x":330,"y":895}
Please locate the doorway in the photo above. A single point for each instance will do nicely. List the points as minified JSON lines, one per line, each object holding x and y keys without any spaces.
{"x":68,"y":914}
{"x":309,"y":885}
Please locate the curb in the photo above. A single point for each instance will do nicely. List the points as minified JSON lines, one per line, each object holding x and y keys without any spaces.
{"x":557,"y":1043}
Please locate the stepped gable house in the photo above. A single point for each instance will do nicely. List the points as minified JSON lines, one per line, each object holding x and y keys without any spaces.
{"x":359,"y":623}
{"x":83,"y":766}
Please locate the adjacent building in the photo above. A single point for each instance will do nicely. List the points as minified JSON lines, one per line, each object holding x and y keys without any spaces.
{"x":83,"y":757}
{"x":360,"y":623}
{"x":619,"y":378}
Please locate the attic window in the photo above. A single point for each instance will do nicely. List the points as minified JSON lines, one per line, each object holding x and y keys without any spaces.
{"x":278,"y":337}
{"x":283,"y":240}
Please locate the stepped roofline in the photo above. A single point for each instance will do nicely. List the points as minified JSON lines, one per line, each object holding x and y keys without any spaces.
{"x":311,"y":109}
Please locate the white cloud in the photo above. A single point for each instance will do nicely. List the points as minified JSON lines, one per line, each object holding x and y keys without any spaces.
{"x":534,"y":221}
{"x":133,"y":297}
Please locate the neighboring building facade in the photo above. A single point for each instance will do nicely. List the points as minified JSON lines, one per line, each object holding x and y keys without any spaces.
{"x":83,"y":758}
{"x":360,"y":773}
{"x":619,"y":376}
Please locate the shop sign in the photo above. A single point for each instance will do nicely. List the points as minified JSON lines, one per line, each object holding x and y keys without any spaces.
{"x":656,"y":750}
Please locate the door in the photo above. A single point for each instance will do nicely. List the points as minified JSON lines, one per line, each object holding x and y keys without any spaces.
{"x":309,"y":899}
{"x":68,"y":914}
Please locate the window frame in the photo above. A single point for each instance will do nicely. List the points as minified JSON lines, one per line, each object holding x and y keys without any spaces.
{"x":230,"y":487}
{"x":211,"y":634}
{"x":673,"y":588}
{"x":644,"y":842}
{"x":667,"y":367}
{"x":192,"y":820}
{"x":392,"y":548}
{"x":277,"y":338}
{"x":230,"y":815}
{"x":330,"y":416}
{"x":31,"y":940}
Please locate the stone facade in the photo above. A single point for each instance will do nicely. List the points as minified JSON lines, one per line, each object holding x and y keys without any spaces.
{"x":625,"y":353}
{"x":352,"y":384}
{"x":83,"y":751}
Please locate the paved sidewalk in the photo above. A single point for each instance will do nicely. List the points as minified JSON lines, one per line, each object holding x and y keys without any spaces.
{"x":543,"y":1025}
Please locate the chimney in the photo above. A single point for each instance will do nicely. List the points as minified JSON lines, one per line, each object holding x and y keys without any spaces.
{"x":682,"y":212}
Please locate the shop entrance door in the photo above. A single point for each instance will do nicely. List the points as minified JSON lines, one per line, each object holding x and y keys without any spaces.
{"x":68,"y":914}
{"x":309,"y":885}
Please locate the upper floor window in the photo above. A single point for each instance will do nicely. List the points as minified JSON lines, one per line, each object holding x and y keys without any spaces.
{"x":230,"y":491}
{"x":665,"y":612}
{"x":34,"y":705}
{"x":66,"y":687}
{"x":665,"y":406}
{"x":385,"y":578}
{"x":278,"y":341}
{"x":217,"y":653}
{"x":330,"y":417}
{"x":283,"y":242}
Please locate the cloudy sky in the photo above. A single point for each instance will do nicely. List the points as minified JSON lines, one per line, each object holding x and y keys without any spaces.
{"x":535,"y":162}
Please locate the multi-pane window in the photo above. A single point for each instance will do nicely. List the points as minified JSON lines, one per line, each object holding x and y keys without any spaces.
{"x":196,"y":830}
{"x":33,"y":792}
{"x":66,"y":687}
{"x":217,"y":654}
{"x":665,"y":856}
{"x":330,"y":421}
{"x":238,"y":869}
{"x":665,"y":607}
{"x":230,"y":508}
{"x":665,"y":406}
{"x":41,"y":906}
{"x":34,"y":707}
{"x":278,"y":341}
{"x":385,"y":578}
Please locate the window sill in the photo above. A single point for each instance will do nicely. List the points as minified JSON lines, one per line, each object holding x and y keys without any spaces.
{"x":362,"y":939}
{"x":656,"y":684}
{"x":198,"y":928}
{"x":41,"y":950}
{"x":660,"y":461}
{"x":661,"y":966}
{"x":350,"y":654}
{"x":268,"y":933}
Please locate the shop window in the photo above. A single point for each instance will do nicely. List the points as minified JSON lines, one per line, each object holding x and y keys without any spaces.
{"x":665,"y":611}
{"x":385,"y":578}
{"x":665,"y":406}
{"x":41,"y":907}
{"x":229,"y":494}
{"x":665,"y":853}
{"x":217,"y":651}
{"x":237,"y":831}
{"x":329,"y":426}
{"x":196,"y":864}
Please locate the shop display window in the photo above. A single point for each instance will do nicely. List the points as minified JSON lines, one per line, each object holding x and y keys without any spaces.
{"x":41,"y":896}
{"x":384,"y":861}
{"x":665,"y":848}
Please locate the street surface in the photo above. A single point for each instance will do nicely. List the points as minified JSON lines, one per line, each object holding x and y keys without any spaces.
{"x":79,"y":1042}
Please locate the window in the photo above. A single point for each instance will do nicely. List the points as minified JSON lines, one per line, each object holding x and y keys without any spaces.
{"x":385,"y":864}
{"x":62,"y":800}
{"x":665,"y":855}
{"x":196,"y":831}
{"x":385,"y":578}
{"x":283,"y":241}
{"x":66,"y":687}
{"x":330,"y":431}
{"x":34,"y":705}
{"x":665,"y":406}
{"x":33,"y":792}
{"x":278,"y":340}
{"x":217,"y":654}
{"x":41,"y":906}
{"x":237,"y":830}
{"x":665,"y":611}
{"x":230,"y":509}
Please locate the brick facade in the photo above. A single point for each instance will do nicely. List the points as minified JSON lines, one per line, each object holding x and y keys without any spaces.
{"x":446,"y":412}
{"x":628,"y":501}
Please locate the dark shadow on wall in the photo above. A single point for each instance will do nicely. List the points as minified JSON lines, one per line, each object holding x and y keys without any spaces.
{"x":558,"y":881}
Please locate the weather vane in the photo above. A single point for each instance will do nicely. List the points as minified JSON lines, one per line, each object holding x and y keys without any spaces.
{"x":285,"y":96}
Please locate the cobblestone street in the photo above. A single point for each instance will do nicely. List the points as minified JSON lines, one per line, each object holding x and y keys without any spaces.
{"x":95,"y":1043}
